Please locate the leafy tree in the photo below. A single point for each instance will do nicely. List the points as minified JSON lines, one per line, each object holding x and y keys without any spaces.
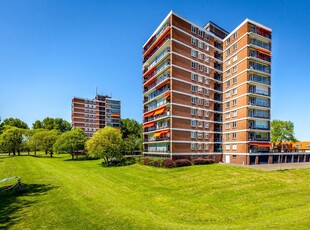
{"x":16,"y":122}
{"x":70,"y":142}
{"x":35,"y":140}
{"x":282,"y":131}
{"x":37,"y":125}
{"x":44,"y":140}
{"x":12,"y":140}
{"x":106,"y":143}
{"x":130,"y":127}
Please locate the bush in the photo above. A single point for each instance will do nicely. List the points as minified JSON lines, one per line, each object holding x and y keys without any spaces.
{"x":145,"y":160}
{"x":182,"y":162}
{"x":201,"y":161}
{"x":211,"y":161}
{"x":156,"y":162}
{"x":168,"y":163}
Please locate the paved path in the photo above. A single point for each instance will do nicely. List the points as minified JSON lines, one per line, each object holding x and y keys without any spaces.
{"x":272,"y":167}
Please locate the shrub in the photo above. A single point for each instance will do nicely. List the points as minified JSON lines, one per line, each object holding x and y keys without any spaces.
{"x":211,"y":161}
{"x":182,"y":162}
{"x":156,"y":162}
{"x":200,"y":161}
{"x":145,"y":160}
{"x":168,"y":163}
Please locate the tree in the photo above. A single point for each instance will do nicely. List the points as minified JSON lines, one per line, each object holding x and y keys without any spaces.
{"x":12,"y":140}
{"x":106,"y":143}
{"x":132,"y":135}
{"x":37,"y":125}
{"x":70,"y":142}
{"x":15,"y":122}
{"x":35,"y":140}
{"x":44,"y":140}
{"x":282,"y":131}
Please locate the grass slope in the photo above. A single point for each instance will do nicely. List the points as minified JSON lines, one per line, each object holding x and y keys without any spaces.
{"x":64,"y":194}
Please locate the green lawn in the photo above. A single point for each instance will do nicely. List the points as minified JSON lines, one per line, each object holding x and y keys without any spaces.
{"x":64,"y":194}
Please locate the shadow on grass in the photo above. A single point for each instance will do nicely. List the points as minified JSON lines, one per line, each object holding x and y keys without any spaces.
{"x":82,"y":158}
{"x":12,"y":202}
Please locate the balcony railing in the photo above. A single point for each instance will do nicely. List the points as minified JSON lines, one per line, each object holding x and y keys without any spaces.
{"x":157,"y":82}
{"x":156,"y":150}
{"x":218,"y":139}
{"x":158,"y":92}
{"x":255,"y":126}
{"x":260,"y":44}
{"x":260,"y":31}
{"x":259,"y":139}
{"x":218,"y":56}
{"x":218,"y":45}
{"x":261,"y":56}
{"x":259,"y":103}
{"x":260,"y":67}
{"x":259,"y":114}
{"x":218,"y":67}
{"x":259,"y":91}
{"x":218,"y":77}
{"x":156,"y":71}
{"x":166,"y":138}
{"x":259,"y":79}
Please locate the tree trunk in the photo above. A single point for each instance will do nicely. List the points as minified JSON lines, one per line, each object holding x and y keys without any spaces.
{"x":46,"y":152}
{"x":18,"y":151}
{"x":35,"y":152}
{"x":72,"y":155}
{"x":14,"y":153}
{"x":51,"y":153}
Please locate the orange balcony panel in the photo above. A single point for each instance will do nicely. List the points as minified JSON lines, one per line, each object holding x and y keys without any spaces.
{"x":151,"y":124}
{"x":162,"y":110}
{"x":148,"y":114}
{"x":115,"y":115}
{"x":263,"y":51}
{"x":149,"y":82}
{"x":260,"y":144}
{"x":167,"y":94}
{"x":149,"y":71}
{"x":162,"y":83}
{"x":157,"y":41}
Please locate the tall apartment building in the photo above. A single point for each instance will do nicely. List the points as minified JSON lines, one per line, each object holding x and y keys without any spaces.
{"x":207,"y":91}
{"x":93,"y":114}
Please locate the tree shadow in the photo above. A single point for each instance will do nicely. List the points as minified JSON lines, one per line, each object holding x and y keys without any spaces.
{"x":12,"y":202}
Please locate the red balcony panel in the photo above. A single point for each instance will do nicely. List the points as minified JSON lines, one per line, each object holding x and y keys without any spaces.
{"x":159,"y":39}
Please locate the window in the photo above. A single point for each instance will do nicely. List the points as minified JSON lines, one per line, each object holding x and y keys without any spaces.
{"x":200,"y":44}
{"x":207,"y":103}
{"x":199,"y":135}
{"x":228,"y":62}
{"x":194,"y":41}
{"x":227,"y":94}
{"x":207,"y":92}
{"x":193,"y":112}
{"x":227,"y":146}
{"x":227,"y":115}
{"x":200,"y":89}
{"x":227,"y":126}
{"x":206,"y":146}
{"x":235,"y":35}
{"x":200,"y":79}
{"x":234,"y":147}
{"x":228,"y":41}
{"x":194,"y":53}
{"x":207,"y":36}
{"x":234,"y":80}
{"x":227,"y":52}
{"x":234,"y":69}
{"x":235,"y":46}
{"x":200,"y":113}
{"x":206,"y":125}
{"x":207,"y":48}
{"x":206,"y":113}
{"x":227,"y":73}
{"x":227,"y":104}
{"x":194,"y":65}
{"x":200,"y":33}
{"x":207,"y":70}
{"x":234,"y":113}
{"x":199,"y":146}
{"x":193,"y":77}
{"x":234,"y":102}
{"x":227,"y":84}
{"x":193,"y":29}
{"x":227,"y":136}
{"x":193,"y":123}
{"x":200,"y":56}
{"x":193,"y":88}
{"x":207,"y":59}
{"x":235,"y":58}
{"x":193,"y":134}
{"x":200,"y":101}
{"x":193,"y":146}
{"x":193,"y":100}
{"x":200,"y":68}
{"x":234,"y":91}
{"x":207,"y":82}
{"x":200,"y":124}
{"x":206,"y":136}
{"x":234,"y":124}
{"x":234,"y":135}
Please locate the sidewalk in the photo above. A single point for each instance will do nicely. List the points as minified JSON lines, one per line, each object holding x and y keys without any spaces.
{"x":272,"y":167}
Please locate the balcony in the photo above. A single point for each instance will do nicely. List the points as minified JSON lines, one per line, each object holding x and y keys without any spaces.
{"x":259,"y":79}
{"x":260,"y":31}
{"x":218,"y":45}
{"x":259,"y":102}
{"x":218,"y":108}
{"x":157,"y":116}
{"x":160,"y":81}
{"x":262,"y":127}
{"x":218,"y":86}
{"x":218,"y":76}
{"x":217,"y":97}
{"x":164,"y":89}
{"x":259,"y":67}
{"x":259,"y":114}
{"x":218,"y":66}
{"x":157,"y":40}
{"x":257,"y":138}
{"x":261,"y":44}
{"x":218,"y":118}
{"x":255,"y":90}
{"x":156,"y":59}
{"x":259,"y":55}
{"x":151,"y":73}
{"x":218,"y":56}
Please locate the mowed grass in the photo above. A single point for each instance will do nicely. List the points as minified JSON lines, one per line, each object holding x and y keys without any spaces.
{"x":64,"y":194}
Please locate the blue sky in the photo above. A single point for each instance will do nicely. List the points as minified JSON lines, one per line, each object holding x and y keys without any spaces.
{"x":51,"y":51}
